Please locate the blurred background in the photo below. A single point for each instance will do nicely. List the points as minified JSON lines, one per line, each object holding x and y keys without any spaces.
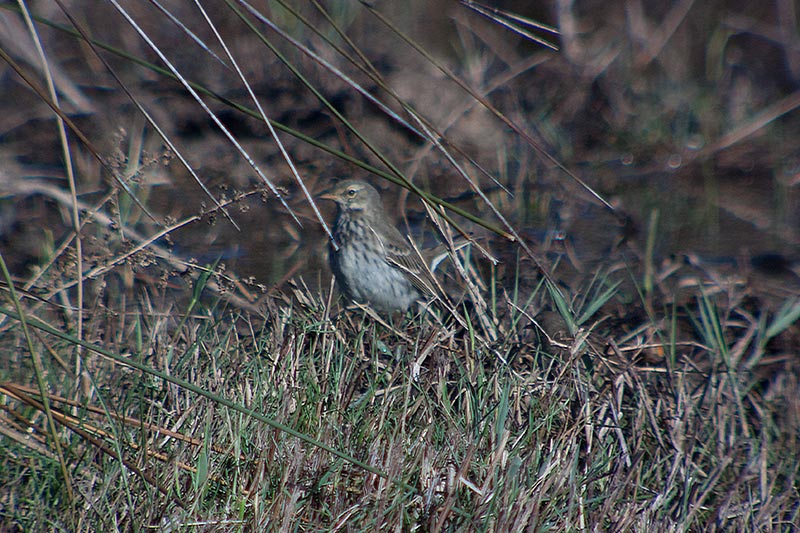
{"x":681,"y":115}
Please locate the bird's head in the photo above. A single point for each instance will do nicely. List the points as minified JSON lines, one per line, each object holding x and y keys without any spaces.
{"x":353,"y":195}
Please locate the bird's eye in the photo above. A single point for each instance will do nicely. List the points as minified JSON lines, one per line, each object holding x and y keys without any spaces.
{"x":351,"y":193}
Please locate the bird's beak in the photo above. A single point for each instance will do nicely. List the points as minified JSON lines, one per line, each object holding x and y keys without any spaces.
{"x":327,"y":194}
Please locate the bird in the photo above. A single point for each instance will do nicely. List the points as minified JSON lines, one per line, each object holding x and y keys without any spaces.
{"x":374,"y":263}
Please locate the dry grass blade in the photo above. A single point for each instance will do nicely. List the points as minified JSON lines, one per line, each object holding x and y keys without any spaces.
{"x":757,"y":123}
{"x":185,"y":29}
{"x":70,"y":171}
{"x":509,"y":20}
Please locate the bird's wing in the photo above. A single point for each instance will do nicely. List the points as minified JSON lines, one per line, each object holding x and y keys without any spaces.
{"x":407,"y":259}
{"x":399,"y":253}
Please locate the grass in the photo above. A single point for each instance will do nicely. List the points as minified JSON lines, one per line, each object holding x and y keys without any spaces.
{"x":558,"y":437}
{"x":597,"y":377}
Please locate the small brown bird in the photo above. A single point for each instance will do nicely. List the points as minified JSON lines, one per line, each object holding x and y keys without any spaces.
{"x":374,"y":264}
